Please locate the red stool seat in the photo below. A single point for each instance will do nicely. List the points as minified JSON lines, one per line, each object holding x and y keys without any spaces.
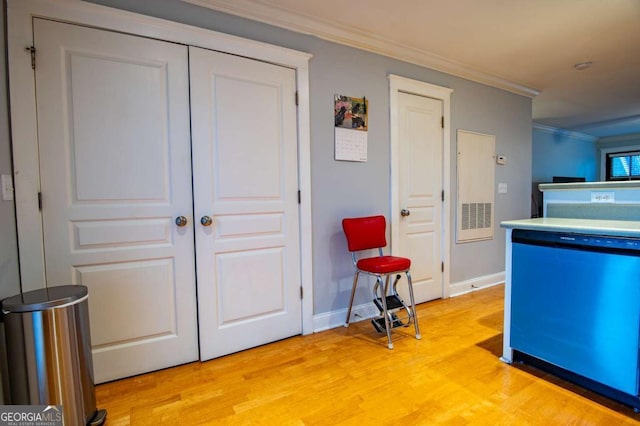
{"x":384,"y":264}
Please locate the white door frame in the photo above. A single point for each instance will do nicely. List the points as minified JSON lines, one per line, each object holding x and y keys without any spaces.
{"x":24,"y":124}
{"x":399,"y":84}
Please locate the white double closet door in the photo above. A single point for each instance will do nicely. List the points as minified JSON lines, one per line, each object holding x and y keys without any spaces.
{"x":134,"y":133}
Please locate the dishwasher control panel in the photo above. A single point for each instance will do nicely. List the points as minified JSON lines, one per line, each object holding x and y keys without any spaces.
{"x":577,"y":241}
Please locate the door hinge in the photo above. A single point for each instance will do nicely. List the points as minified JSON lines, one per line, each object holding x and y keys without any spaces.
{"x":441,"y":266}
{"x":32,"y":51}
{"x":296,"y":98}
{"x":40,"y":201}
{"x":299,"y":197}
{"x":442,"y":196}
{"x":301,"y":293}
{"x":442,"y":122}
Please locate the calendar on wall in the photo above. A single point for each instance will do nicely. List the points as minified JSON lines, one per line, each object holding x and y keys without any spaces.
{"x":351,"y":125}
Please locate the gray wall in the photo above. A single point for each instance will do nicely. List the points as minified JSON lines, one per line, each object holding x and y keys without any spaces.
{"x":9,"y":278}
{"x":342,"y":189}
{"x":507,"y":116}
{"x":560,"y":153}
{"x":621,"y":142}
{"x":555,"y":154}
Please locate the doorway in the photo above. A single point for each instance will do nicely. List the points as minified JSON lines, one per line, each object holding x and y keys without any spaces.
{"x":420,"y":167}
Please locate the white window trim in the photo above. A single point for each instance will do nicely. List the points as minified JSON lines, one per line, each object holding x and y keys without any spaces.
{"x":603,"y":157}
{"x":20,"y":14}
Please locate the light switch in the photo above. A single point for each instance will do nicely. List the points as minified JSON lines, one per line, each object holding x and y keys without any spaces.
{"x":7,"y":187}
{"x":502,"y":188}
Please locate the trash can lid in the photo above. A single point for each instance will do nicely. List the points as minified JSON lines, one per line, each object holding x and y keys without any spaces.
{"x":44,"y":298}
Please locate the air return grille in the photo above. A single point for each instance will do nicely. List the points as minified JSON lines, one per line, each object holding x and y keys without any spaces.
{"x":476,"y":186}
{"x":476,"y":215}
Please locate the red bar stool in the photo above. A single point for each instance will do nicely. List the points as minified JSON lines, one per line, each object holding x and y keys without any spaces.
{"x":368,"y":233}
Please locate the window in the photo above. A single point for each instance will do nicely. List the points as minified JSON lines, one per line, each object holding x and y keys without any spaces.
{"x":623,"y":166}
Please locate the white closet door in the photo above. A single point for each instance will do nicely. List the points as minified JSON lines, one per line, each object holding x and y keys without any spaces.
{"x":114,"y":141}
{"x":245,"y":179}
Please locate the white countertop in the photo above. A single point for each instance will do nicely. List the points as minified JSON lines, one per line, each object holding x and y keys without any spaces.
{"x":623,"y":228}
{"x":611,"y":185}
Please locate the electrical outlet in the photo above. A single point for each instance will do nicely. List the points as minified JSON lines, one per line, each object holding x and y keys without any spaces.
{"x":603,"y":197}
{"x":7,"y":188}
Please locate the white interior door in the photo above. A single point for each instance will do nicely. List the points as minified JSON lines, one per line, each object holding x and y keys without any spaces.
{"x":420,"y":187}
{"x":114,"y":146}
{"x":245,"y":179}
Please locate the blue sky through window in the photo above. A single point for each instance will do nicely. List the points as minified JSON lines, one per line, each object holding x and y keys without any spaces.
{"x":624,"y":166}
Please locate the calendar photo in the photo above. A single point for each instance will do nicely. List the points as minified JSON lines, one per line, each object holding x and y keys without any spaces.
{"x":350,"y":113}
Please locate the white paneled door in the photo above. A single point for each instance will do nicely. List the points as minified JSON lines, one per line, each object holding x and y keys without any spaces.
{"x":114,"y":146}
{"x":116,"y":171}
{"x":420,"y":181}
{"x":245,"y":161}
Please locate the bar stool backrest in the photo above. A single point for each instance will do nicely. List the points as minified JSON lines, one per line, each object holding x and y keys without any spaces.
{"x":364,"y":233}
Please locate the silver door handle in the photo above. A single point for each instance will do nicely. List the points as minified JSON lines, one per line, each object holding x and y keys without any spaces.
{"x":405,"y":212}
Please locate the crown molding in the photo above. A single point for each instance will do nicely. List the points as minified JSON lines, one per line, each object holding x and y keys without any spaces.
{"x":622,"y":126}
{"x":564,"y":133}
{"x":633,"y":137}
{"x":348,"y":36}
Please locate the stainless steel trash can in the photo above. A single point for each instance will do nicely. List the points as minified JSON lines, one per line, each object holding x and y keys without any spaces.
{"x":49,"y":352}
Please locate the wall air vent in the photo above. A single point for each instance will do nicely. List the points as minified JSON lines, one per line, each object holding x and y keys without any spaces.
{"x":476,"y":215}
{"x":476,"y":183}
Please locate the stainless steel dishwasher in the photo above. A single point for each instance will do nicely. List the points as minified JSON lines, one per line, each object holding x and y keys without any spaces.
{"x":576,"y":308}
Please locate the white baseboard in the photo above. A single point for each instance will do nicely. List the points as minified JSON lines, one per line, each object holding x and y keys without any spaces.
{"x":474,"y":284}
{"x":334,"y":319}
{"x":328,"y":320}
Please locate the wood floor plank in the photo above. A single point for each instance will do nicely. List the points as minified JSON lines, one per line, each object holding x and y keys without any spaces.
{"x":346,"y":376}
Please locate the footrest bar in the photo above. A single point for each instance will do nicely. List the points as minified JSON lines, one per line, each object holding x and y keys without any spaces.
{"x":393,"y":302}
{"x":379,"y":325}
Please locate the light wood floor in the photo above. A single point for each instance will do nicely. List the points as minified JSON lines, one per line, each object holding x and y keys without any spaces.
{"x":346,"y":376}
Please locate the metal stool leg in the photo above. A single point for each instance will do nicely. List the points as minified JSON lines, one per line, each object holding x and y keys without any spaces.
{"x":387,"y":322}
{"x":353,"y":293}
{"x":413,"y":307}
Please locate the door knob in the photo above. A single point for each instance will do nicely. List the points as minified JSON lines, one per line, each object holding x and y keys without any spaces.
{"x":405,"y":212}
{"x":206,"y":221}
{"x":181,"y":221}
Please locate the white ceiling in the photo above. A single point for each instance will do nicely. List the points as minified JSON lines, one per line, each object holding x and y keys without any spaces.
{"x":524,"y":46}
